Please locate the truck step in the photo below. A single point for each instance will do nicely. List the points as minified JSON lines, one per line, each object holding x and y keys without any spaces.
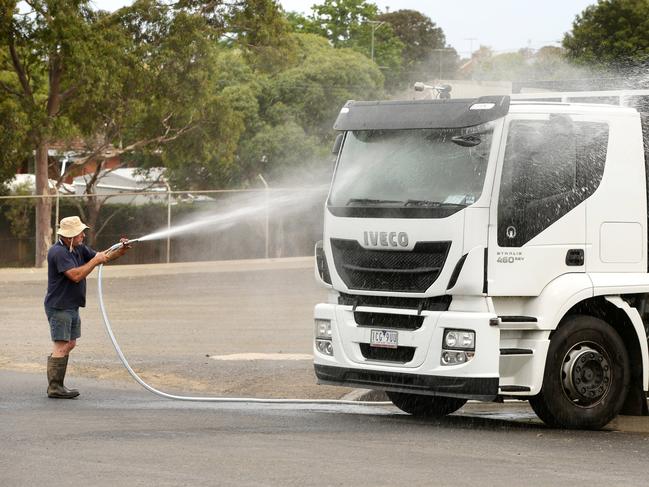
{"x":512,"y":322}
{"x":516,"y":351}
{"x":515,"y":389}
{"x":517,"y":319}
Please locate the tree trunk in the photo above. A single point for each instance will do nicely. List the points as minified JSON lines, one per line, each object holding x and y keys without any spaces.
{"x":93,"y":207}
{"x":43,"y":206}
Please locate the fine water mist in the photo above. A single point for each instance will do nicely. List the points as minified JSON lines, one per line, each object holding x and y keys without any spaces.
{"x":240,"y":208}
{"x":287,"y":205}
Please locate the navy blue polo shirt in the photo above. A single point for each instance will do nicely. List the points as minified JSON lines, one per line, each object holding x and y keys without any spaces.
{"x":63,"y":293}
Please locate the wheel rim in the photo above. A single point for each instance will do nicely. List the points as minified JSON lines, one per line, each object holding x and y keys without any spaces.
{"x":586,"y":374}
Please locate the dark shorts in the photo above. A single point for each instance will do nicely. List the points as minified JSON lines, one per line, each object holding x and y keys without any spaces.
{"x":65,"y":324}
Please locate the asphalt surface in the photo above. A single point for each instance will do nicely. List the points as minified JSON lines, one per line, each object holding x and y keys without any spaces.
{"x":116,"y":434}
{"x":244,"y":329}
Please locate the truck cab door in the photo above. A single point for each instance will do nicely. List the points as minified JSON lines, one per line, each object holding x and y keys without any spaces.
{"x":548,"y":165}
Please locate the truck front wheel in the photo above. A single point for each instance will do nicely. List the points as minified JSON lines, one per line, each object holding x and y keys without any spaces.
{"x":586,"y":376}
{"x":425,"y":406}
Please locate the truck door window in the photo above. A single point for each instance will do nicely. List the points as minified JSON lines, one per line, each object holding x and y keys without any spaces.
{"x":550,"y":167}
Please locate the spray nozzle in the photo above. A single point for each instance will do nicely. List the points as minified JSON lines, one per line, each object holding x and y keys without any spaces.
{"x":125,"y":243}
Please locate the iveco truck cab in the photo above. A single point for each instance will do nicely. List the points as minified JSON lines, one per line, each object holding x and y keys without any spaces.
{"x":487,"y":249}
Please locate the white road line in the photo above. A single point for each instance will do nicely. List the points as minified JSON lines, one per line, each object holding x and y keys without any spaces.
{"x":263,"y":356}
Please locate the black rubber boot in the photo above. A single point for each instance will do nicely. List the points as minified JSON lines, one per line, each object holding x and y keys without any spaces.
{"x":64,"y":372}
{"x":56,"y":367}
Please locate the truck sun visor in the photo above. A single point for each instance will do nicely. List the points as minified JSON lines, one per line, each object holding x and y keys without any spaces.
{"x":421,"y":114}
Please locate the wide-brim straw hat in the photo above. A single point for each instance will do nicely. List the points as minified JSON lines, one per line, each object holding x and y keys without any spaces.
{"x":71,"y":226}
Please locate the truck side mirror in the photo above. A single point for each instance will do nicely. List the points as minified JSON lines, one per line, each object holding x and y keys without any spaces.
{"x":338,"y":142}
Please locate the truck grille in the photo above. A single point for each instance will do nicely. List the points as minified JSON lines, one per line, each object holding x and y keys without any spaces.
{"x":399,"y":354}
{"x":434,"y":303}
{"x":385,"y":320}
{"x":389,"y":270}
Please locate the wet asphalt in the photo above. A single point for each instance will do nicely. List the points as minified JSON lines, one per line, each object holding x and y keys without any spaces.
{"x":172,"y":321}
{"x":117,"y":434}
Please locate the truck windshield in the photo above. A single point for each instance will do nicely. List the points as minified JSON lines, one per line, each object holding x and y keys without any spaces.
{"x":411,"y":169}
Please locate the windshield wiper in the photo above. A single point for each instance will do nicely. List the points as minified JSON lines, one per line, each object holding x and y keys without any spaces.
{"x":434,"y":204}
{"x":370,"y":201}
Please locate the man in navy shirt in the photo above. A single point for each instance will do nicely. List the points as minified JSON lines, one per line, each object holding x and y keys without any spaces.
{"x":69,"y":261}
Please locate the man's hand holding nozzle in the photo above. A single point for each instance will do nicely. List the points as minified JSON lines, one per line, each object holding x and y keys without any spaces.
{"x":126,"y":243}
{"x":119,"y":249}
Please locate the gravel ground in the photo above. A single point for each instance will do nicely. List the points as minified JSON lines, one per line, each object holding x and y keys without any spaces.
{"x":175,"y":322}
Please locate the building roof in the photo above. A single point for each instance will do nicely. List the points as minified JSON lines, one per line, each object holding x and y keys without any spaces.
{"x":29,"y":181}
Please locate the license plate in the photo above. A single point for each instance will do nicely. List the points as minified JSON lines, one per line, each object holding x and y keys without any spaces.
{"x":383,"y":338}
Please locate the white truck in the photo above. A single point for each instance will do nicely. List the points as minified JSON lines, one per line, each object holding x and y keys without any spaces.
{"x":490,"y":249}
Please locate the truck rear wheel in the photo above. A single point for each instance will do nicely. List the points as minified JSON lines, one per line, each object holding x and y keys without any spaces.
{"x":425,"y":406}
{"x":586,"y":376}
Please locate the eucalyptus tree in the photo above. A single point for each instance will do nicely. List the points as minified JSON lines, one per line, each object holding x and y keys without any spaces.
{"x":610,"y":34}
{"x":425,"y":52}
{"x":355,"y":24}
{"x":137,"y":83}
{"x":297,"y":108}
{"x":51,"y":56}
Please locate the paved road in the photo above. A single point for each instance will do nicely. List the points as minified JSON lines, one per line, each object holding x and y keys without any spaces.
{"x":121,"y":435}
{"x":173,"y":321}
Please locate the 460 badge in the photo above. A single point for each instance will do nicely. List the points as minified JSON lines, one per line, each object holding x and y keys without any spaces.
{"x":509,"y":257}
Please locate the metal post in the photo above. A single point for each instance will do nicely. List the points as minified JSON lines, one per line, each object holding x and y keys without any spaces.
{"x":267,"y":214}
{"x":64,"y":162}
{"x":375,"y":25}
{"x":56,"y":218}
{"x":168,"y":222}
{"x":470,"y":39}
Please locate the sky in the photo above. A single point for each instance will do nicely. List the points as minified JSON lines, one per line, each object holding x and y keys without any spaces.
{"x":503,"y":25}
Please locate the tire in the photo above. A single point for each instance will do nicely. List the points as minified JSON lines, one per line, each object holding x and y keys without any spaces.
{"x":425,"y":406}
{"x":586,"y":377}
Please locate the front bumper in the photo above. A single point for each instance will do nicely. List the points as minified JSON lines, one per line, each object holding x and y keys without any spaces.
{"x":479,"y":388}
{"x":422,"y":372}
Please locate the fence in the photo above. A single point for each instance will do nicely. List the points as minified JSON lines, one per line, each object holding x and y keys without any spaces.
{"x":188,"y":225}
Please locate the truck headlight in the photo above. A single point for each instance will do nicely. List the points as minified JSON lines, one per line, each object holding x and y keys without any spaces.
{"x":458,"y":346}
{"x":323,"y":342}
{"x":325,"y":347}
{"x":323,"y":329}
{"x":459,"y":340}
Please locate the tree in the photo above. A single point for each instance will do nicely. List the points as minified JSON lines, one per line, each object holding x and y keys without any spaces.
{"x":551,"y":63}
{"x":297,"y":107}
{"x":612,"y":33}
{"x":338,"y":20}
{"x":206,"y":157}
{"x":313,"y":90}
{"x":545,"y":64}
{"x":377,"y":41}
{"x":13,"y":136}
{"x":277,"y":150}
{"x":354,"y":24}
{"x":128,"y":83}
{"x":49,"y":50}
{"x":422,"y":40}
{"x":261,"y":29}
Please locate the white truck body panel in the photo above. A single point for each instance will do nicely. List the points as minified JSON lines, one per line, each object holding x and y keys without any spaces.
{"x":512,"y":296}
